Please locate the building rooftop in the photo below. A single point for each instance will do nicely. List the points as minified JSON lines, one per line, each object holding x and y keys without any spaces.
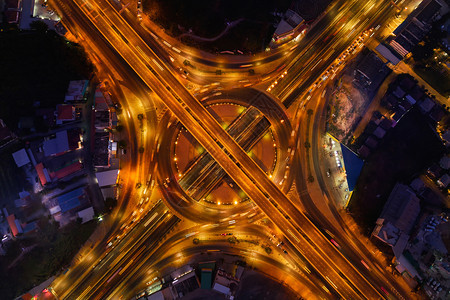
{"x":57,"y":145}
{"x":386,"y":124}
{"x":86,"y":214}
{"x":417,"y":184}
{"x":43,"y":174}
{"x":387,"y":54}
{"x":65,"y":112}
{"x":417,"y":93}
{"x":21,"y":157}
{"x":70,"y":200}
{"x":364,"y":151}
{"x":66,"y":171}
{"x":12,"y":224}
{"x":437,"y":113}
{"x":401,"y":208}
{"x":353,"y":165}
{"x":444,"y":181}
{"x":12,"y":16}
{"x":100,"y":101}
{"x":379,"y":132}
{"x":428,"y":12}
{"x":101,"y":145}
{"x":399,"y":92}
{"x":76,"y":90}
{"x":186,"y":284}
{"x":370,"y":68}
{"x":371,"y":142}
{"x":221,"y":288}
{"x":13,"y":4}
{"x":107,"y":178}
{"x":444,"y":162}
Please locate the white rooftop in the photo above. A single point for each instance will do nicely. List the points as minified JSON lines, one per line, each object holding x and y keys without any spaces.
{"x":387,"y":54}
{"x":55,"y":209}
{"x":57,"y":145}
{"x":21,"y":157}
{"x":107,"y":178}
{"x":86,"y":214}
{"x":445,"y":162}
{"x":283,"y":27}
{"x":221,"y":288}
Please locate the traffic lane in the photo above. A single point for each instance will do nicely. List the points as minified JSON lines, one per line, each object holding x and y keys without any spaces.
{"x":162,"y":258}
{"x":211,"y":124}
{"x":134,"y":258}
{"x":109,"y":256}
{"x":340,"y":43}
{"x":176,"y":198}
{"x":207,"y":180}
{"x":76,"y":271}
{"x":112,"y":263}
{"x":177,"y":114}
{"x":253,"y":94}
{"x":235,"y":129}
{"x":329,"y":44}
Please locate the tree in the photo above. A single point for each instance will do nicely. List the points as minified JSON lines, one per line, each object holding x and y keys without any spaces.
{"x":48,"y":230}
{"x":110,"y":203}
{"x":122,"y":144}
{"x":119,"y":128}
{"x":39,"y":25}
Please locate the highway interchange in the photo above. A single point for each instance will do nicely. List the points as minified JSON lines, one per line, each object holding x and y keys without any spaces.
{"x":144,"y":80}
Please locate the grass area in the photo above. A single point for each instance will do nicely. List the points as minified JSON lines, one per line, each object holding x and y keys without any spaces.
{"x":406,"y":151}
{"x":37,"y":67}
{"x":208,"y":18}
{"x":53,"y":253}
{"x":437,"y":79}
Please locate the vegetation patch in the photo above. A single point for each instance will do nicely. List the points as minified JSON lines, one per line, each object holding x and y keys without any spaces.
{"x":37,"y":67}
{"x":209,"y":18}
{"x":52,"y":251}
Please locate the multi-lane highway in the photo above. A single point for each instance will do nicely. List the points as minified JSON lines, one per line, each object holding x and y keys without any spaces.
{"x":238,"y":165}
{"x":148,"y":63}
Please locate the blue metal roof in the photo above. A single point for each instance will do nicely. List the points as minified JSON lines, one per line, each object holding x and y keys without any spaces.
{"x":70,"y":200}
{"x":353,"y":165}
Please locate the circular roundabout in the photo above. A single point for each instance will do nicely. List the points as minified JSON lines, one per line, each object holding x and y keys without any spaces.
{"x":194,"y":186}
